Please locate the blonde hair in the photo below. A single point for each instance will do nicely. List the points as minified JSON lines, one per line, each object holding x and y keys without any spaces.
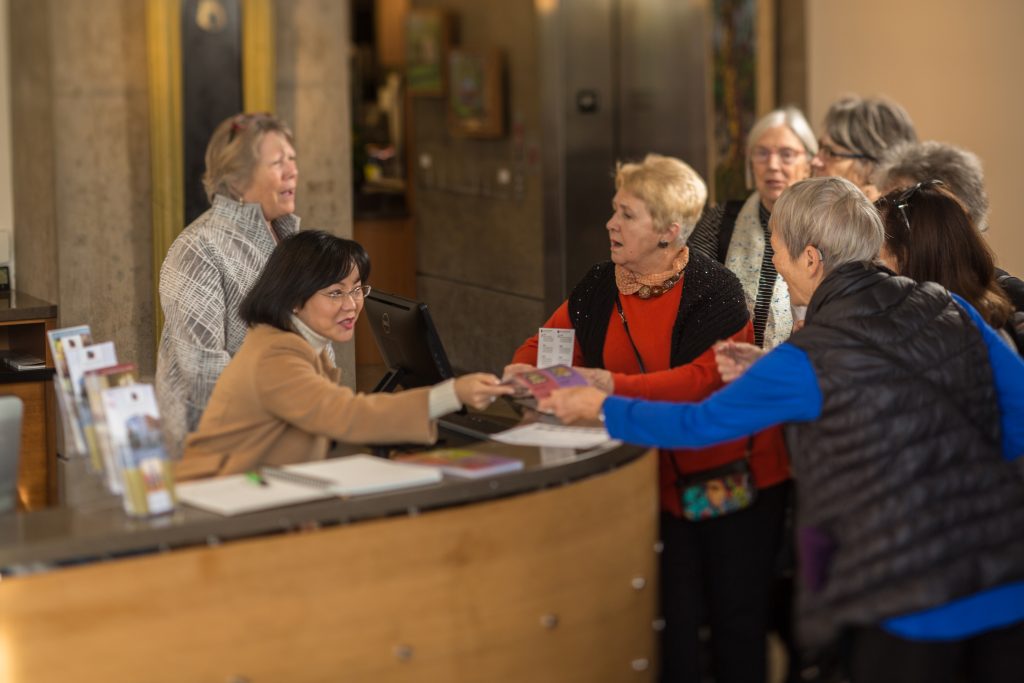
{"x":234,"y":151}
{"x":672,"y":191}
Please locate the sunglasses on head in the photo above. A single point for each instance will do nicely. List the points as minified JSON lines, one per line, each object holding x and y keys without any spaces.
{"x":901,"y":201}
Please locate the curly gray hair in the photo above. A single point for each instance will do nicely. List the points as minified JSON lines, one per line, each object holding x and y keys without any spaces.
{"x":959,"y":169}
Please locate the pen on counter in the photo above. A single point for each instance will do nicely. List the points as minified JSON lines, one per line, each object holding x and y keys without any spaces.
{"x":256,"y":478}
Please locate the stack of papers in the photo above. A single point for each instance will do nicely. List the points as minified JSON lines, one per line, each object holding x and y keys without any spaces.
{"x":560,"y":436}
{"x":349,"y":476}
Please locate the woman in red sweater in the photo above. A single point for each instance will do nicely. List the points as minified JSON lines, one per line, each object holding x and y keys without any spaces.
{"x":645,"y":324}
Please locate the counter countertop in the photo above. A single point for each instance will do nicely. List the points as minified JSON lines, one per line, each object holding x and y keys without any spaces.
{"x":16,"y":306}
{"x":99,"y":530}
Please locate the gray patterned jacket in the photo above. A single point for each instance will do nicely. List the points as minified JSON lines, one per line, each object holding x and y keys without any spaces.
{"x":208,"y":271}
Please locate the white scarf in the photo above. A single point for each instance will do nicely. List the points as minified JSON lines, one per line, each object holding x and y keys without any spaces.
{"x":744,"y":258}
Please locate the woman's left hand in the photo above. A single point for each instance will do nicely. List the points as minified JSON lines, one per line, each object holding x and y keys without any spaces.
{"x":479,"y":389}
{"x":571,"y":405}
{"x":598,"y":378}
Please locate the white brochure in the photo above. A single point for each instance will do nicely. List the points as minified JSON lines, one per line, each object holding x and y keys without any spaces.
{"x":554,"y":346}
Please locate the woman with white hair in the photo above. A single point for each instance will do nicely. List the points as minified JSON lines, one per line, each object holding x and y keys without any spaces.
{"x":904,"y":417}
{"x":645,"y":323}
{"x":779,"y":151}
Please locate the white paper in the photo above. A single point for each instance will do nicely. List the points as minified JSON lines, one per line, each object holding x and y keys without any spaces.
{"x":361,"y":474}
{"x":554,"y":346}
{"x":236,"y":494}
{"x":559,"y":436}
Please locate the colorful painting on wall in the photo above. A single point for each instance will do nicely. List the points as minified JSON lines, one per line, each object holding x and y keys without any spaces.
{"x":427,"y":36}
{"x":476,"y":106}
{"x":734,"y":72}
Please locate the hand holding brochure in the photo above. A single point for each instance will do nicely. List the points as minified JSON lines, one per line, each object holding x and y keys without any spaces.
{"x":539,"y":383}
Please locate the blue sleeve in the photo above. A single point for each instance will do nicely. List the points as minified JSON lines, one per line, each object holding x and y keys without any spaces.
{"x":1008,"y":376}
{"x":780,"y":387}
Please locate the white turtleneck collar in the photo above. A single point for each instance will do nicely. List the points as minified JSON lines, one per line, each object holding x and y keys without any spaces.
{"x":317,"y":341}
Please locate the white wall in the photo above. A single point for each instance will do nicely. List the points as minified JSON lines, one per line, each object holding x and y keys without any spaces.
{"x":956,"y":65}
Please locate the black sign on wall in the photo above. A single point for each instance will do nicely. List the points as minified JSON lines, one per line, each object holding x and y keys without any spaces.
{"x":211,"y":37}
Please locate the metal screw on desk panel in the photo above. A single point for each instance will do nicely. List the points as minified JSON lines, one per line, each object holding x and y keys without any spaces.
{"x":412,"y":511}
{"x":640,"y":664}
{"x":212,"y":541}
{"x":403,"y":653}
{"x":658,"y":547}
{"x":493,"y":485}
{"x":658,"y":624}
{"x":549,"y":621}
{"x":638,"y":583}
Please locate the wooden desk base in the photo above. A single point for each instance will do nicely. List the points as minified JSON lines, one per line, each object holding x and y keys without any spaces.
{"x":558,"y":585}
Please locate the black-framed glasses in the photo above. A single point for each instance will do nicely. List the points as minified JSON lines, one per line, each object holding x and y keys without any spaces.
{"x":827,"y":152}
{"x":357,"y":294}
{"x":902,"y":200}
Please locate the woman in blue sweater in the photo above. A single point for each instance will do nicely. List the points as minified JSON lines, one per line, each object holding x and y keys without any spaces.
{"x":904,"y":418}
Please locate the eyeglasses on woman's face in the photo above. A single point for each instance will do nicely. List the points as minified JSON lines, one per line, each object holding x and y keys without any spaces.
{"x":827,"y":152}
{"x":787,"y":155}
{"x":337,"y":294}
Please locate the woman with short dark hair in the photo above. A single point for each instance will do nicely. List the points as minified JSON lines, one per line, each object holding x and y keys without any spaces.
{"x":278,"y":401}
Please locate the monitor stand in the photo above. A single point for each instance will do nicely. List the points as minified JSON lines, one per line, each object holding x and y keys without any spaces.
{"x":389,"y":382}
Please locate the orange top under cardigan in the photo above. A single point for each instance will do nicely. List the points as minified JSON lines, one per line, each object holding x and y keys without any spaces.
{"x":650,"y":323}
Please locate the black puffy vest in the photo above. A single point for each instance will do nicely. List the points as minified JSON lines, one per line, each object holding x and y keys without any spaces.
{"x":902,"y":485}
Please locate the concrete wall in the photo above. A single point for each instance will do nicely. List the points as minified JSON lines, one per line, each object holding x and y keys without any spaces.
{"x":955,"y":66}
{"x":479,"y":243}
{"x":80,"y":123}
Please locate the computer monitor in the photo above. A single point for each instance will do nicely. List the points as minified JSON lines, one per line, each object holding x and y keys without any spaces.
{"x":408,"y":342}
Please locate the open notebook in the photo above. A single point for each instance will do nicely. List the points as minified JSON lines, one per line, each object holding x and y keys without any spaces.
{"x":349,"y":476}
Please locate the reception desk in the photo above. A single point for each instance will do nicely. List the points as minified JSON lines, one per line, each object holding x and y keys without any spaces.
{"x":24,"y":322}
{"x":548,"y":574}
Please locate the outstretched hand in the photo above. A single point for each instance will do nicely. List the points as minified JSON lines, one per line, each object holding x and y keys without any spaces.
{"x":734,"y":358}
{"x":572,"y":405}
{"x":479,"y":389}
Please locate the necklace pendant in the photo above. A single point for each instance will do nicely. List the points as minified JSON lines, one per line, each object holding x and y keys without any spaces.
{"x":644,"y":292}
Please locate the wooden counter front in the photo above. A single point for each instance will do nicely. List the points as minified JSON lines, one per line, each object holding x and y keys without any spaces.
{"x":557,"y":584}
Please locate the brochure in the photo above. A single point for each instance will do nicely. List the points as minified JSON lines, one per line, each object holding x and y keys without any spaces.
{"x":133,"y":421}
{"x":60,"y":341}
{"x":463,"y":462}
{"x":538,"y":384}
{"x":80,"y":360}
{"x":96,"y":381}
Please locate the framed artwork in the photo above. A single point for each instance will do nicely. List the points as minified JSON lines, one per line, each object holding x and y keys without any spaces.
{"x":476,"y":102}
{"x":742,"y":86}
{"x":428,"y":33}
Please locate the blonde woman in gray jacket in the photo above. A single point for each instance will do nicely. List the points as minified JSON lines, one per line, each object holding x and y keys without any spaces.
{"x":250,"y":179}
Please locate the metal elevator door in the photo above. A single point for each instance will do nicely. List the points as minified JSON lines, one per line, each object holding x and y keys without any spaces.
{"x":622,"y":78}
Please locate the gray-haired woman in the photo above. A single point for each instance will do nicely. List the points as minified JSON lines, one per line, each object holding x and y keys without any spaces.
{"x":250,"y":180}
{"x":858,"y":133}
{"x":779,"y":151}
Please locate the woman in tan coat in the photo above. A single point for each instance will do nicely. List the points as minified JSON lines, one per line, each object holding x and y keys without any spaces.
{"x":279,"y":401}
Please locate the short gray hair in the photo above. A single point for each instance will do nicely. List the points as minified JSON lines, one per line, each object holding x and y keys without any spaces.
{"x":831,"y":214}
{"x":234,"y":152}
{"x":790,"y":117}
{"x":672,"y":191}
{"x":868,"y":126}
{"x":959,"y":169}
